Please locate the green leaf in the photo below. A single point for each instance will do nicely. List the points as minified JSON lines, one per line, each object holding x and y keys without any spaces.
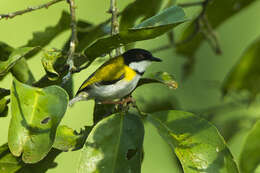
{"x":5,"y":51}
{"x":68,"y":139}
{"x":14,"y":57}
{"x":114,"y":145}
{"x":159,"y":77}
{"x":53,"y":62}
{"x":249,"y":157}
{"x":3,"y":107}
{"x":215,"y":18}
{"x":4,"y":92}
{"x":148,"y":29}
{"x":197,"y":143}
{"x":36,"y":113}
{"x":43,"y":38}
{"x":9,"y":163}
{"x":245,"y":75}
{"x":102,"y":110}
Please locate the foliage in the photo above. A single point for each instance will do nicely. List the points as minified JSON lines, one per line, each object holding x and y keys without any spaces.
{"x":115,"y":140}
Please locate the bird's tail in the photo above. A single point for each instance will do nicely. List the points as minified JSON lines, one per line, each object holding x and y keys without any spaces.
{"x":81,"y":96}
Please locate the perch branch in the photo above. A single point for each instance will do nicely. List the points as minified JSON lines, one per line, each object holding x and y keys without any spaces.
{"x":29,"y":9}
{"x":73,"y":40}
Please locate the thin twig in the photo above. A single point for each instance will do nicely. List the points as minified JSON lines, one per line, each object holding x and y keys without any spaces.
{"x":73,"y":40}
{"x":114,"y":22}
{"x":29,"y":9}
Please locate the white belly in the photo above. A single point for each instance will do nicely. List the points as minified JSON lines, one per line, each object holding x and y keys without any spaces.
{"x":114,"y":91}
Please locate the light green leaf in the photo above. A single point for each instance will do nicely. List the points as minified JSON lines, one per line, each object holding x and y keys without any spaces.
{"x":68,"y":139}
{"x":36,"y":113}
{"x":159,"y":77}
{"x":15,"y":56}
{"x":114,"y":145}
{"x":249,"y":157}
{"x":245,"y":75}
{"x":197,"y":143}
{"x":9,"y":163}
{"x":148,"y":29}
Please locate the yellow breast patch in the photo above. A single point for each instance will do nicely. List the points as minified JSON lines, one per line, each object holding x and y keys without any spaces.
{"x":129,"y":73}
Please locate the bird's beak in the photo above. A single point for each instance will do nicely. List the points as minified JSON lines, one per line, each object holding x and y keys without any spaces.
{"x":156,"y":59}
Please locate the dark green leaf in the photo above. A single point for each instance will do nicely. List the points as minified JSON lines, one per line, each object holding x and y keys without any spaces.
{"x":245,"y":75}
{"x":68,"y":139}
{"x":4,"y":92}
{"x":249,"y":157}
{"x":197,"y":143}
{"x":43,"y":38}
{"x":3,"y":107}
{"x":53,"y":62}
{"x":14,"y":57}
{"x":148,"y":29}
{"x":159,"y":77}
{"x":215,"y":18}
{"x":9,"y":163}
{"x":102,"y":110}
{"x":29,"y":108}
{"x":114,"y":145}
{"x":22,"y":72}
{"x":5,"y":51}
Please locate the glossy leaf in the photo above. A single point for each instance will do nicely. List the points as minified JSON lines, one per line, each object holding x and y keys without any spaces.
{"x":52,"y":62}
{"x":15,"y":56}
{"x":159,"y":77}
{"x":43,"y":38}
{"x":215,"y":18}
{"x":148,"y":29}
{"x":197,"y":143}
{"x":68,"y":139}
{"x":36,"y":113}
{"x":114,"y":145}
{"x":9,"y":163}
{"x":249,"y":157}
{"x":245,"y":74}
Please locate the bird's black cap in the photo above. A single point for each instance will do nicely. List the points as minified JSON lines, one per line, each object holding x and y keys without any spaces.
{"x":136,"y":55}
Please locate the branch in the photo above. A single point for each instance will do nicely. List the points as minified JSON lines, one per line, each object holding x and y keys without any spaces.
{"x":114,"y":22}
{"x":29,"y":9}
{"x":73,"y":41}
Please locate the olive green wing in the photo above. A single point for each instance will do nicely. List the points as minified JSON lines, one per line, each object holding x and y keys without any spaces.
{"x":109,"y":73}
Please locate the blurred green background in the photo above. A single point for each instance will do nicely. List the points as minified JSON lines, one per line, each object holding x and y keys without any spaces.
{"x":201,"y":91}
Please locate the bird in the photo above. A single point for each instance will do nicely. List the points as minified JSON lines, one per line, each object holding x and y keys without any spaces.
{"x":116,"y":78}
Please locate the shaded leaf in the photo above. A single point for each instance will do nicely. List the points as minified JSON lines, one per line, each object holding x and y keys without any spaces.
{"x":29,"y":107}
{"x":68,"y":139}
{"x":3,"y":107}
{"x":43,"y":38}
{"x":197,"y":143}
{"x":14,"y":57}
{"x":9,"y":163}
{"x":245,"y":75}
{"x":215,"y":18}
{"x":4,"y":92}
{"x":22,"y":72}
{"x":249,"y":157}
{"x":114,"y":145}
{"x":148,"y":29}
{"x":102,"y":110}
{"x":5,"y":51}
{"x":159,"y":77}
{"x":53,"y":62}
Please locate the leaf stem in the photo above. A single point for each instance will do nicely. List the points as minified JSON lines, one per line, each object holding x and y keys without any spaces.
{"x":73,"y":40}
{"x":29,"y":9}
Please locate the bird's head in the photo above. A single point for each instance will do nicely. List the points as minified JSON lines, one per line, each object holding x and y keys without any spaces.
{"x":139,"y":59}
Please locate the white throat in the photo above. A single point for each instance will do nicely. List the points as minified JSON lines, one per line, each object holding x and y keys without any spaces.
{"x":139,"y":66}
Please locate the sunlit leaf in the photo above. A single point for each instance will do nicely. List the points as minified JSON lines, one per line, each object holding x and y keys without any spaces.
{"x":245,"y":75}
{"x":15,"y":56}
{"x":148,"y":29}
{"x":249,"y":157}
{"x":159,"y":77}
{"x":197,"y":143}
{"x":9,"y":163}
{"x":114,"y":145}
{"x":36,"y":113}
{"x":215,"y":18}
{"x":68,"y":139}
